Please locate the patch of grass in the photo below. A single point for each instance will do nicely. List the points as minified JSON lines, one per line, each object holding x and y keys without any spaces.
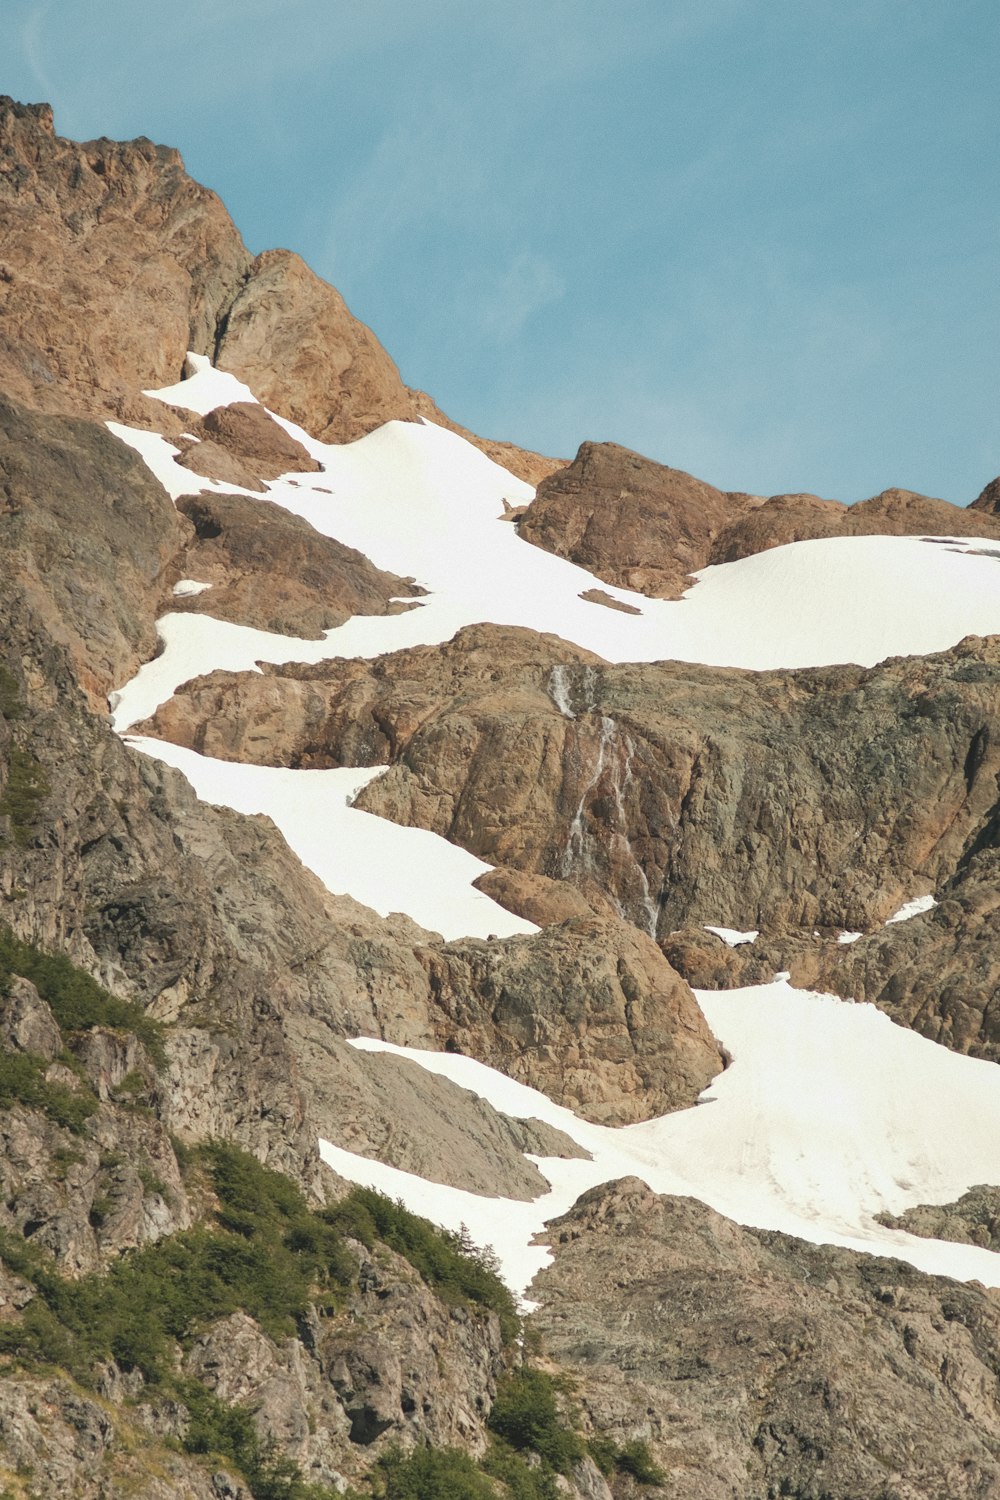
{"x":77,"y":1001}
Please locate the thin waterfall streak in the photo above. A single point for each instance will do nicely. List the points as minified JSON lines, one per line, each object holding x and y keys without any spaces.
{"x":560,"y":687}
{"x":615,"y":754}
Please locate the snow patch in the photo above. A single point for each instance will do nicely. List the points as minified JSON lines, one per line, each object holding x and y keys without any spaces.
{"x":381,"y":864}
{"x":828,"y":1115}
{"x":184,"y":588}
{"x":423,"y":502}
{"x":733,"y":938}
{"x":204,"y":388}
{"x":913,"y":908}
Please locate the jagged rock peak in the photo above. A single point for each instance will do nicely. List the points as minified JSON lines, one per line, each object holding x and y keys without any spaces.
{"x":121,"y":229}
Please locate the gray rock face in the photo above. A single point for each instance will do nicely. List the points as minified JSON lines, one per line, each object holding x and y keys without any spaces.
{"x":974,"y":1219}
{"x":755,"y":1364}
{"x":396,"y":1367}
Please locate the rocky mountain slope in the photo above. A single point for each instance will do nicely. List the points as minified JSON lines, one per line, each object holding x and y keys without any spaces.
{"x":192,"y":1302}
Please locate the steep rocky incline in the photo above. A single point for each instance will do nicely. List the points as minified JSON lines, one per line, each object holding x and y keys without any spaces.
{"x":114,"y":263}
{"x":177,"y":903}
{"x":758,"y":1365}
{"x":87,"y":534}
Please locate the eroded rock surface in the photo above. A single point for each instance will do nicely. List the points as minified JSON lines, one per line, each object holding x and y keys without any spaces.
{"x":270,"y":569}
{"x":755,"y":1364}
{"x":633,"y":522}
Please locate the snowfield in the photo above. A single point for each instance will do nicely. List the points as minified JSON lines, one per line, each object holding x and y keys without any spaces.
{"x":829,"y":1113}
{"x":421,"y":501}
{"x":354,"y":853}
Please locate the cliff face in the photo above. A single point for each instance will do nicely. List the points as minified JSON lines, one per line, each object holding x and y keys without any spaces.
{"x":191,"y":1303}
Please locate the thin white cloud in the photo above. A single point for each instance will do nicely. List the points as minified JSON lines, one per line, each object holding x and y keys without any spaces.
{"x":501,"y":303}
{"x":33,"y":45}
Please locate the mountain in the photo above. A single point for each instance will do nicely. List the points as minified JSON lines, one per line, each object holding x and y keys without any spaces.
{"x":498,"y":957}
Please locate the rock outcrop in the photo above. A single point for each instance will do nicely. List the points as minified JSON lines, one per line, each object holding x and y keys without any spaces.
{"x":242,"y":444}
{"x":115,"y":263}
{"x":799,"y":803}
{"x":974,"y":1219}
{"x":643,"y":526}
{"x":755,"y":1364}
{"x":270,"y":569}
{"x":633,"y":522}
{"x":895,"y":512}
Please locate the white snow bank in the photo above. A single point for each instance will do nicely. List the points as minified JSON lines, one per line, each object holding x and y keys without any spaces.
{"x":381,"y":864}
{"x":733,"y":938}
{"x":828,"y":1115}
{"x":204,"y":388}
{"x":184,"y":588}
{"x":913,"y":908}
{"x":848,"y":937}
{"x":422,"y":501}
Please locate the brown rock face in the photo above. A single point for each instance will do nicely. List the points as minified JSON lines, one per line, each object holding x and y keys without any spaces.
{"x":989,"y":499}
{"x":796,"y":518}
{"x":94,"y":237}
{"x":642,"y":526}
{"x":114,"y":263}
{"x":756,"y":1364}
{"x":588,"y":1011}
{"x":939,"y":972}
{"x":974,"y":1219}
{"x":242,"y":445}
{"x":272,"y":570}
{"x":782,"y":519}
{"x":633,"y":522}
{"x":792,"y":802}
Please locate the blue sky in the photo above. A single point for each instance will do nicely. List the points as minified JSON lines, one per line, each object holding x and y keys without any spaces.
{"x":756,"y":239}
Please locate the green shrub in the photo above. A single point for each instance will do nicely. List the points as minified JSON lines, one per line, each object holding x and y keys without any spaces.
{"x":521,"y":1480}
{"x":632,"y":1458}
{"x":11,"y":706}
{"x":270,"y":1255}
{"x":526,"y":1415}
{"x":456,"y":1272}
{"x":23,"y":1081}
{"x":24,"y":793}
{"x":430,"y":1474}
{"x":77,"y":1001}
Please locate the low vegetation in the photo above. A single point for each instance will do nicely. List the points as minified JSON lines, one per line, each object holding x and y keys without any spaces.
{"x":76,"y":1000}
{"x":23,"y":1081}
{"x":264,"y":1252}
